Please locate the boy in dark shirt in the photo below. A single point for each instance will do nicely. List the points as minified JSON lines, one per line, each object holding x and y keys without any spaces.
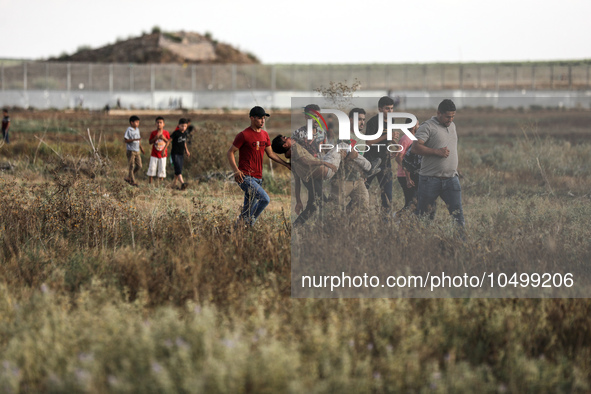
{"x":5,"y":126}
{"x":179,"y":147}
{"x":384,"y":177}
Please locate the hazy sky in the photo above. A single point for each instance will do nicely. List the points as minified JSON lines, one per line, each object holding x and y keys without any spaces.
{"x":318,"y":31}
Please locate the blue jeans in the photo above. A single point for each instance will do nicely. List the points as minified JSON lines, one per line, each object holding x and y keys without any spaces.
{"x":255,"y":199}
{"x":431,"y":187}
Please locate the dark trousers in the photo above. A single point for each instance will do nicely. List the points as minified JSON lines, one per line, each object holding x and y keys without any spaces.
{"x":315,"y":198}
{"x":410,"y":193}
{"x":384,"y":178}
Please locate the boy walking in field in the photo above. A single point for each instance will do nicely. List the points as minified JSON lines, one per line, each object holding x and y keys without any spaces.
{"x":179,"y":148}
{"x":159,"y":139}
{"x":5,"y":126}
{"x":132,"y":139}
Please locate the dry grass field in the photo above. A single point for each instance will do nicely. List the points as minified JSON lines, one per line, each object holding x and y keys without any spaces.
{"x":109,"y":288}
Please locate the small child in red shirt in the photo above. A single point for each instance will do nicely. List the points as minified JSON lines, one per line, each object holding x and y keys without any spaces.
{"x":159,"y":139}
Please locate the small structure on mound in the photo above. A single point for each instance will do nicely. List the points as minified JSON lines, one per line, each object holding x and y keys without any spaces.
{"x":162,"y":47}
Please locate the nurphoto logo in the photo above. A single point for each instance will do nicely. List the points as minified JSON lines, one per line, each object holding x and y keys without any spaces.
{"x":345,"y":128}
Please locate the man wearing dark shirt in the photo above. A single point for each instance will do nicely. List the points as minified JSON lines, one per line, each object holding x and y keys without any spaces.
{"x":378,"y":150}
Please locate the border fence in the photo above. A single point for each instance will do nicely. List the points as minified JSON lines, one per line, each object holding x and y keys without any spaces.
{"x":44,"y":85}
{"x":29,"y":75}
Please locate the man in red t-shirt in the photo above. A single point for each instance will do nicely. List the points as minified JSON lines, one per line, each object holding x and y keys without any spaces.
{"x":159,"y":139}
{"x":251,"y":144}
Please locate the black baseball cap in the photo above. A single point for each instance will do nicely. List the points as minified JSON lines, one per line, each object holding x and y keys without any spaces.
{"x":258,"y":112}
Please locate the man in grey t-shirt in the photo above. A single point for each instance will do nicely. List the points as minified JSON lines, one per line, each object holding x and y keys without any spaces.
{"x":437,"y":142}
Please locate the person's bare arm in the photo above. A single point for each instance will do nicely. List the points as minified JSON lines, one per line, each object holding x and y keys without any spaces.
{"x":319,"y":171}
{"x":238,"y":175}
{"x":130,"y":140}
{"x":153,"y":139}
{"x":420,"y":149}
{"x":409,"y":181}
{"x":168,"y":141}
{"x":312,"y":161}
{"x":352,"y":155}
{"x":273,"y":156}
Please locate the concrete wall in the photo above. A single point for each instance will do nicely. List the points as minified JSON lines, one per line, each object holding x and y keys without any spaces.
{"x":95,"y":100}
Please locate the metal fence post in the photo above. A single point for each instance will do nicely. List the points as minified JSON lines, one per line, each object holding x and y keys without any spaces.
{"x":533,"y":77}
{"x":497,"y":78}
{"x":110,"y":78}
{"x":152,"y":79}
{"x":570,"y":77}
{"x":130,"y":77}
{"x":461,"y":76}
{"x":406,"y":86}
{"x":46,"y":75}
{"x":515,"y":77}
{"x":273,"y":77}
{"x":2,"y":75}
{"x":213,"y":78}
{"x":193,"y":78}
{"x":172,"y":77}
{"x":89,"y":75}
{"x":25,"y":75}
{"x":68,"y":77}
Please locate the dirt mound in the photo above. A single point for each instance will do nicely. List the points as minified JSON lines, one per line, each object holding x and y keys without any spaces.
{"x":180,"y":47}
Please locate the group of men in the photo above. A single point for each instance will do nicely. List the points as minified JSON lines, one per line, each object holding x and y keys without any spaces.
{"x":351,"y":171}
